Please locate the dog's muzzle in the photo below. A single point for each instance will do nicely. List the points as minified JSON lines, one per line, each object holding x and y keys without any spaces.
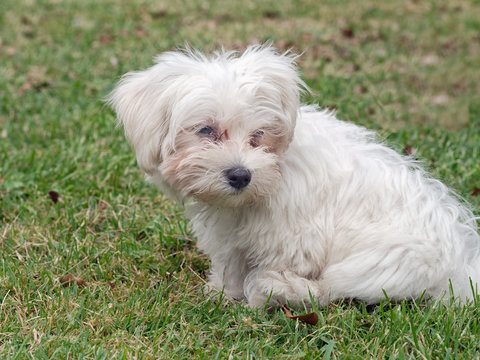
{"x":238,"y":177}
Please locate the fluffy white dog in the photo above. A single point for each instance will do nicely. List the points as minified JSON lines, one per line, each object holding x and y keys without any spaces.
{"x":290,"y":203}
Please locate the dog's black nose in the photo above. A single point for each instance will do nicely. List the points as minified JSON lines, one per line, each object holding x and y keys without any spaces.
{"x":238,"y":177}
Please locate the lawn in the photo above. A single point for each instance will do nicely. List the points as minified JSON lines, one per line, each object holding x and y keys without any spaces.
{"x":72,"y":200}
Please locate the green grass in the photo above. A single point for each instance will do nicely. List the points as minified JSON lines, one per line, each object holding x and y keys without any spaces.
{"x":410,"y":70}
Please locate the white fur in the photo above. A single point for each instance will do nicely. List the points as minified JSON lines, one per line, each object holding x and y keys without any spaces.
{"x":329,"y":212}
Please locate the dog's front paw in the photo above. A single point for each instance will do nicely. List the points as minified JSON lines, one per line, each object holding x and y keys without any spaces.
{"x":263,"y":289}
{"x":282,"y":287}
{"x":211,"y":288}
{"x":258,"y":298}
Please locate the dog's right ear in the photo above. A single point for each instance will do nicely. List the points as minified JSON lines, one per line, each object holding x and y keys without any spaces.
{"x":141,"y":103}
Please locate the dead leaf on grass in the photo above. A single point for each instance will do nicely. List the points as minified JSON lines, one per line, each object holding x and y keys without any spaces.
{"x":53,"y":196}
{"x":310,"y":318}
{"x":70,"y":280}
{"x":159,"y":13}
{"x":331,"y":107}
{"x":475,"y":191}
{"x":36,"y":79}
{"x":348,"y":33}
{"x":272,"y":14}
{"x":359,"y":89}
{"x":409,"y":150}
{"x":351,"y":67}
{"x":105,"y":39}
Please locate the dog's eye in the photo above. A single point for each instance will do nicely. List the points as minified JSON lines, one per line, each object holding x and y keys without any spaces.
{"x":206,"y":131}
{"x":255,"y":138}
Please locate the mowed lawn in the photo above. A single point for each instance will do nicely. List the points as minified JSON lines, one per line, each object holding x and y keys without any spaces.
{"x":72,"y":200}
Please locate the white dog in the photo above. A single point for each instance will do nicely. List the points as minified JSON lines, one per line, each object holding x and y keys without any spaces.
{"x":290,"y":203}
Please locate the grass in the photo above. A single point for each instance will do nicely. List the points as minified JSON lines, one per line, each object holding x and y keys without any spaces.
{"x":409,"y":70}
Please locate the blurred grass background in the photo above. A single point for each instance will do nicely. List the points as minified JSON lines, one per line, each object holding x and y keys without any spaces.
{"x":408,"y":69}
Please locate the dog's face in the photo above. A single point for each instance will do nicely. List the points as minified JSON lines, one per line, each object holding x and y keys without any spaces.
{"x":212,"y":128}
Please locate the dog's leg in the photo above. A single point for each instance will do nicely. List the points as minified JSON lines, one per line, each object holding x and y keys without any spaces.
{"x":282,"y":287}
{"x":228,"y":273}
{"x":399,"y":271}
{"x":402,"y":272}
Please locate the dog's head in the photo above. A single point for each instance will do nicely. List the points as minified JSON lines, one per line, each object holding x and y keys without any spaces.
{"x":212,"y":127}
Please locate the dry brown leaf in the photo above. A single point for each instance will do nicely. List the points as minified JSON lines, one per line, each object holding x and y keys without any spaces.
{"x":53,"y":196}
{"x":36,"y":79}
{"x":359,"y":89}
{"x":70,"y":280}
{"x":475,"y":191}
{"x":272,"y":14}
{"x":310,"y":318}
{"x":332,"y":107}
{"x":159,"y":13}
{"x":351,"y":67}
{"x":348,"y":33}
{"x":105,"y":39}
{"x":409,"y":150}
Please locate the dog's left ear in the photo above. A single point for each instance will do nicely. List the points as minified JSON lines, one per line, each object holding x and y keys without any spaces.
{"x":278,"y":85}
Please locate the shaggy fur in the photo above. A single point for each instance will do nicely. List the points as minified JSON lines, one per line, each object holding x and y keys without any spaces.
{"x":319,"y":208}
